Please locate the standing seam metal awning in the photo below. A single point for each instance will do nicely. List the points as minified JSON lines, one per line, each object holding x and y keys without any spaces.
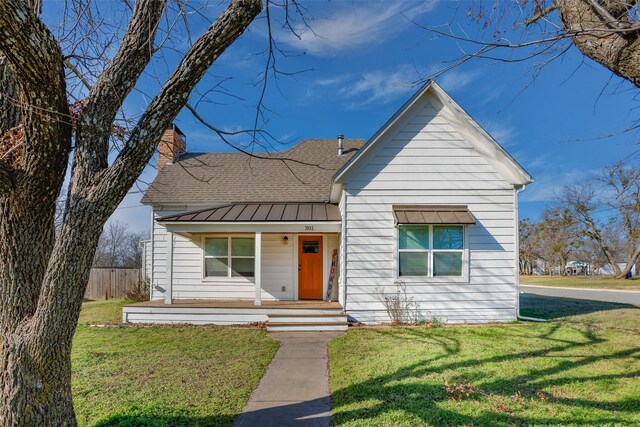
{"x":261,"y":212}
{"x":432,"y":214}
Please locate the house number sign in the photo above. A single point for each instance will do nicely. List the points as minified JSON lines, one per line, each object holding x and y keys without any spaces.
{"x":308,"y":228}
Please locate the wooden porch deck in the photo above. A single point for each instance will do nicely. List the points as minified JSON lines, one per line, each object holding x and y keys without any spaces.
{"x":241,"y":304}
{"x":236,"y":312}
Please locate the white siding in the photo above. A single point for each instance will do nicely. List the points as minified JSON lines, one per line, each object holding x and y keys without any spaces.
{"x":146,"y":258}
{"x":159,"y":258}
{"x":425,"y":160}
{"x":278,"y":281}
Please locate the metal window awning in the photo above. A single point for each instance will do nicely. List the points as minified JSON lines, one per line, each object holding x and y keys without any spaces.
{"x":260,"y":212}
{"x":432,"y":214}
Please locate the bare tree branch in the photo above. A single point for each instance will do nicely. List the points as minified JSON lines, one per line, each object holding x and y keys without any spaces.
{"x":114,"y":84}
{"x":544,"y":12}
{"x":173,"y":95}
{"x":30,"y":47}
{"x":223,"y":135}
{"x":77,"y":73}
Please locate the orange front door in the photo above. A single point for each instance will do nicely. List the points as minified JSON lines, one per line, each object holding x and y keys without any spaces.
{"x":310,"y":267}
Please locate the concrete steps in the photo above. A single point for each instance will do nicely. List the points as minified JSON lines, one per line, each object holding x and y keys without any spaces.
{"x":304,"y":322}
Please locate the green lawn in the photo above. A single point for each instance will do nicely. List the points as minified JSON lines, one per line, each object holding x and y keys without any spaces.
{"x":596,"y":282}
{"x":102,"y":312}
{"x":575,"y":370}
{"x":163,"y":376}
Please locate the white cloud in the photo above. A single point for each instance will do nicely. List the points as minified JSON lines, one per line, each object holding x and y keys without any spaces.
{"x":456,"y":80}
{"x":501,"y":131}
{"x":332,"y":81}
{"x":549,"y":184}
{"x":370,"y":87}
{"x":375,"y":87}
{"x":364,"y":23}
{"x":382,"y":86}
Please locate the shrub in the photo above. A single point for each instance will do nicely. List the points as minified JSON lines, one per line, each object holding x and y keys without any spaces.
{"x":401,"y":308}
{"x":140,"y":291}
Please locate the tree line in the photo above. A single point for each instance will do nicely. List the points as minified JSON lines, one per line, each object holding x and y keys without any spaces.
{"x":119,"y":247}
{"x":596,"y":221}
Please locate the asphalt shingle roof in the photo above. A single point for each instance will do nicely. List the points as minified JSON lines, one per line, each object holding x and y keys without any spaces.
{"x":240,"y":178}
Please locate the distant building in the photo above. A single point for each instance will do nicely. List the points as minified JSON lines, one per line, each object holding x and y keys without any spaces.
{"x":578,"y":268}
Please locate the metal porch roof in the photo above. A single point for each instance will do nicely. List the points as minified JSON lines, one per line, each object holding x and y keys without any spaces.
{"x":261,"y":212}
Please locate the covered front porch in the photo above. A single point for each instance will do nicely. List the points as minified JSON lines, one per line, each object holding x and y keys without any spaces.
{"x":251,"y":253}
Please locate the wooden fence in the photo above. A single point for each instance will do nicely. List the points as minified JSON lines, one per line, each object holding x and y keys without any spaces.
{"x":108,"y":283}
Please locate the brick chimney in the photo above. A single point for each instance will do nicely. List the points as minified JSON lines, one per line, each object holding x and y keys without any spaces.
{"x":172,"y":144}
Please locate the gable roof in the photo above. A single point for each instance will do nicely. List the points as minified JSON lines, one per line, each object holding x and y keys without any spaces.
{"x":506,"y":165}
{"x":303,"y":173}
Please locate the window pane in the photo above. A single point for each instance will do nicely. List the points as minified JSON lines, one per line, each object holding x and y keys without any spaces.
{"x":215,"y":246}
{"x":311,"y":247}
{"x":242,"y":267}
{"x":447,"y":237}
{"x":447,"y":264}
{"x":215,"y":266}
{"x":413,"y":263}
{"x":242,"y":246}
{"x":413,"y":236}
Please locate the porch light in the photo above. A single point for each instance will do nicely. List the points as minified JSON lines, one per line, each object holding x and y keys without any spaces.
{"x":285,"y":240}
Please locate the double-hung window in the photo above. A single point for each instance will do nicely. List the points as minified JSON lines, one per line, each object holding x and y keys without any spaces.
{"x":229,"y":256}
{"x":430,"y":250}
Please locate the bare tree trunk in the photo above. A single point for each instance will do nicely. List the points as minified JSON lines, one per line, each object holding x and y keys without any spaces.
{"x":36,"y":391}
{"x":10,"y":114}
{"x":603,"y":34}
{"x":43,"y":275}
{"x":36,"y":376}
{"x":634,"y":258}
{"x":32,"y":381}
{"x":21,"y":274}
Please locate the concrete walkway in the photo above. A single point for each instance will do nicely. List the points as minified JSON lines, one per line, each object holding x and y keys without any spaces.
{"x":606,"y":295}
{"x":295,"y":389}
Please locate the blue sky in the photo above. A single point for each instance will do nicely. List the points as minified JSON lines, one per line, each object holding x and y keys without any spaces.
{"x":363,"y":64}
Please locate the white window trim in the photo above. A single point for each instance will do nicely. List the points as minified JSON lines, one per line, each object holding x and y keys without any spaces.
{"x":464,"y":278}
{"x":229,"y":276}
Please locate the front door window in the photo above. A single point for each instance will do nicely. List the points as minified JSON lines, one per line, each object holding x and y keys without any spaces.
{"x":311,"y":247}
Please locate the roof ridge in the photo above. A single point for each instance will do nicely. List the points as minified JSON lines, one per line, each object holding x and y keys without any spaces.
{"x":305,"y":140}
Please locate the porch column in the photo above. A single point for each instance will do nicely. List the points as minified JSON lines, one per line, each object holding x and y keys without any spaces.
{"x":168,"y":293}
{"x":258,"y":268}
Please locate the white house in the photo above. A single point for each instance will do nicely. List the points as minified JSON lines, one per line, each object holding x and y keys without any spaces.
{"x":430,"y":200}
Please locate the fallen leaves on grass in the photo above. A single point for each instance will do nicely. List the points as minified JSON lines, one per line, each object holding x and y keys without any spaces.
{"x":457,"y":391}
{"x":542,"y":396}
{"x":503,"y":407}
